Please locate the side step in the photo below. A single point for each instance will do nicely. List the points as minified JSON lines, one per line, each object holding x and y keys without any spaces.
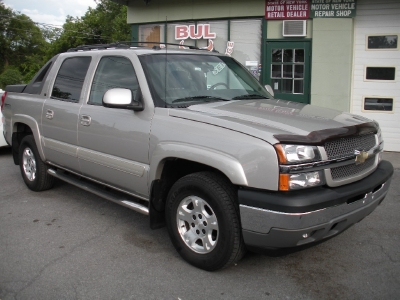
{"x":114,"y":196}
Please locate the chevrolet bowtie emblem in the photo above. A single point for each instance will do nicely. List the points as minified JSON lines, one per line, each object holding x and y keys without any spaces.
{"x":361,"y":156}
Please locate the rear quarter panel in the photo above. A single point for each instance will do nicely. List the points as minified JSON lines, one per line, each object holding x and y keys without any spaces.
{"x":25,"y":109}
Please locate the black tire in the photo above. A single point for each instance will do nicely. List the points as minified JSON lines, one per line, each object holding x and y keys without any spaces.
{"x":33,"y":169}
{"x":213,"y":240}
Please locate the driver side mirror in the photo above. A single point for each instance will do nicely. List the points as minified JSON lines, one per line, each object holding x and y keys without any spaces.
{"x":122,"y":98}
{"x":269,"y":90}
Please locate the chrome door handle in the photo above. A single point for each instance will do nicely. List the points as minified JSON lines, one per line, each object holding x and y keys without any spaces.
{"x":86,"y":120}
{"x":49,"y":114}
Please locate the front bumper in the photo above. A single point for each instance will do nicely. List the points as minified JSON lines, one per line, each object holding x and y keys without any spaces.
{"x":280,"y":220}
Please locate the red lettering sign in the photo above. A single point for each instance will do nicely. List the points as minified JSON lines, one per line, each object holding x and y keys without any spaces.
{"x":195,"y":34}
{"x":207,"y":33}
{"x":183,"y":32}
{"x":287,"y":9}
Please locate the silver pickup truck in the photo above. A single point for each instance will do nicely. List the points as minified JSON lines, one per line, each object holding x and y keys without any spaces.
{"x":192,"y":139}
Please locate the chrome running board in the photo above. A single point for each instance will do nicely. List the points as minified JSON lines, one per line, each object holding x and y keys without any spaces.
{"x":114,"y":196}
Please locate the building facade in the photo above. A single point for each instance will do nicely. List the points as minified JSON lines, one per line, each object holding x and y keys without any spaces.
{"x":340,"y":54}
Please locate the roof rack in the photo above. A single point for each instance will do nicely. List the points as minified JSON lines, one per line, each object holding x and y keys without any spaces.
{"x":127,"y":45}
{"x":99,"y":47}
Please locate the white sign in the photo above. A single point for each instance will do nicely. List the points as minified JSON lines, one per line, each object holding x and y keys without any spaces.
{"x":251,"y":63}
{"x":229,"y":48}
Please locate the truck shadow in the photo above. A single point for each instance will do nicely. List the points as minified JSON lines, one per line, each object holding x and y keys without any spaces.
{"x":287,"y":251}
{"x":5,"y":150}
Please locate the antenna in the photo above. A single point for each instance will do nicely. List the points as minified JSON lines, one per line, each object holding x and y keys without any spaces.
{"x":166,"y":61}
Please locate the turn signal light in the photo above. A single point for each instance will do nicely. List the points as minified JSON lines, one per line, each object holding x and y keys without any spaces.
{"x":284,"y":182}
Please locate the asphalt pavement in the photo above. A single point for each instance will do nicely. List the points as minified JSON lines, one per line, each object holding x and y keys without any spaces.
{"x":68,"y":244}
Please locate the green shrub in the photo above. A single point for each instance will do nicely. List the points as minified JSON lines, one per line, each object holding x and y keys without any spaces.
{"x":10,"y":76}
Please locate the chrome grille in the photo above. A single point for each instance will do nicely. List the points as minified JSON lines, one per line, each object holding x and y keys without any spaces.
{"x":351,"y":170}
{"x":346,"y":146}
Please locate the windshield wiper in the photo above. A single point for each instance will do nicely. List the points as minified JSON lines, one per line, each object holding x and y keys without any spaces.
{"x":250,"y":96}
{"x":195,"y":98}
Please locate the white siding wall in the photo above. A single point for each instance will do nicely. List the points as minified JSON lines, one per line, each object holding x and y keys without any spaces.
{"x":375,"y":18}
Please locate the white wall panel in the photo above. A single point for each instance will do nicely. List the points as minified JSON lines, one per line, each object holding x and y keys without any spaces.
{"x":374,"y":18}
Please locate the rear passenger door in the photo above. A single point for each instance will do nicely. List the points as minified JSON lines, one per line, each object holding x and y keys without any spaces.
{"x":114,"y":142}
{"x":60,"y":113}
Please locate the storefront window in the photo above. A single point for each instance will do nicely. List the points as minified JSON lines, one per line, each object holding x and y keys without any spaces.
{"x":220,"y":28}
{"x":151,"y":33}
{"x":171,"y":34}
{"x":246,"y":34}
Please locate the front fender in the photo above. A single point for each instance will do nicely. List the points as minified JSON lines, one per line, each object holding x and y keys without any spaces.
{"x":218,"y":160}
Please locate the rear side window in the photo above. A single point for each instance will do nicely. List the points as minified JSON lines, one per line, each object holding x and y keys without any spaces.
{"x":70,"y":78}
{"x":112,"y":72}
{"x":36,"y":84}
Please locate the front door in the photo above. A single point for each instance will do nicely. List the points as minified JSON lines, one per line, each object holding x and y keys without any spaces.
{"x":114,"y":142}
{"x":288,"y":70}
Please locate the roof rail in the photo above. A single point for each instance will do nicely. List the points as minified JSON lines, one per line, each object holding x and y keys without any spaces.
{"x":127,"y":45}
{"x":99,"y":47}
{"x":159,"y":44}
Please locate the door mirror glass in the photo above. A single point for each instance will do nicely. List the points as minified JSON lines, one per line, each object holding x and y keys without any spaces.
{"x":121,"y":98}
{"x":117,"y":97}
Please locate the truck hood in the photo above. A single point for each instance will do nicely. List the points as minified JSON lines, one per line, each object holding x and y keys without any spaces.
{"x":266,"y":119}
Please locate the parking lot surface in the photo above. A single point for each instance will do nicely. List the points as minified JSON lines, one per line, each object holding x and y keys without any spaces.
{"x":68,"y":244}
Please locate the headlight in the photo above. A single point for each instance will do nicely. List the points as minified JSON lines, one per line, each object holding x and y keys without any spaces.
{"x":295,"y":154}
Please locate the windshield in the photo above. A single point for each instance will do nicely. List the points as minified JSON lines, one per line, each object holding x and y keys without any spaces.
{"x":187,"y":79}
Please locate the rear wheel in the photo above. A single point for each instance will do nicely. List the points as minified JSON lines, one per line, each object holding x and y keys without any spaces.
{"x":203,"y":221}
{"x":33,"y":169}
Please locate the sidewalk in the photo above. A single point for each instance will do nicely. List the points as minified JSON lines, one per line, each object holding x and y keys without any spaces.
{"x":393,"y":157}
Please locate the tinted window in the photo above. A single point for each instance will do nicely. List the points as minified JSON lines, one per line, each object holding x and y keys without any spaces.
{"x":382,"y":42}
{"x":112,"y":72}
{"x":385,"y":104}
{"x":381,"y":73}
{"x":36,"y":84}
{"x":70,"y":78}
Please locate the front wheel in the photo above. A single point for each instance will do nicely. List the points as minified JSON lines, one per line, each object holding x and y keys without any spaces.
{"x":33,"y":169}
{"x":203,"y":221}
